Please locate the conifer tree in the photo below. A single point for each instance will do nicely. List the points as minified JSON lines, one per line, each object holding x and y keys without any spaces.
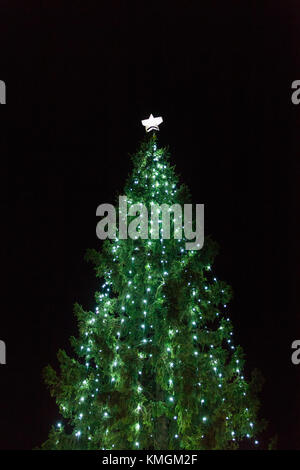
{"x":155,"y":364}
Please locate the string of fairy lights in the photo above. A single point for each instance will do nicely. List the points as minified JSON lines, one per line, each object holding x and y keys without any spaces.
{"x":157,"y":184}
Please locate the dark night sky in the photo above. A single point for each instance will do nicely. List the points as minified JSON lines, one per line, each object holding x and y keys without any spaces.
{"x":79,"y":80}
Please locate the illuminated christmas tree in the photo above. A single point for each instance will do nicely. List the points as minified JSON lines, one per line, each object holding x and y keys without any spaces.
{"x":156,"y":366}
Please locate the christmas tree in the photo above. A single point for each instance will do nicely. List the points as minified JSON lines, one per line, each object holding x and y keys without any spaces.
{"x":155,"y":364}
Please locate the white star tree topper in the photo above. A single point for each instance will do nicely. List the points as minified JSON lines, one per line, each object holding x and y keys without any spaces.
{"x":152,"y":123}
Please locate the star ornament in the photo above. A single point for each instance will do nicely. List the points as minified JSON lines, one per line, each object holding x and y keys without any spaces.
{"x":152,"y":123}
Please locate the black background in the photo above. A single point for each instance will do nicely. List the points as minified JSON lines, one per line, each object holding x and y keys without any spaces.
{"x":80,"y":77}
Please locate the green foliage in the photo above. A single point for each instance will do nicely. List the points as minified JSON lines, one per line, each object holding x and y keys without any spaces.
{"x":155,"y":364}
{"x":273,"y":443}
